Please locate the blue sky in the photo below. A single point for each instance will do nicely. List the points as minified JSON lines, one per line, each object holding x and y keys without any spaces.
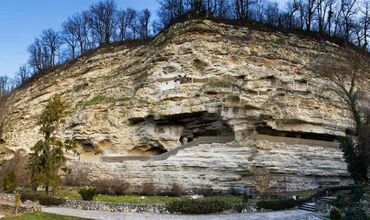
{"x":22,"y":20}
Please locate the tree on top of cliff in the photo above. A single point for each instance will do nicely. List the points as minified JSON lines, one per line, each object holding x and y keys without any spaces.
{"x":347,"y":76}
{"x":47,"y":155}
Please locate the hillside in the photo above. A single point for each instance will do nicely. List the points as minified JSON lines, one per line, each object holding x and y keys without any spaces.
{"x":199,"y":78}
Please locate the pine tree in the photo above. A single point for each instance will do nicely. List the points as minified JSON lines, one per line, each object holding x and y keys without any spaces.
{"x":47,"y":156}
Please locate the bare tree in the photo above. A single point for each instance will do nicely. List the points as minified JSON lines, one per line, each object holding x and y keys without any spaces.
{"x":242,"y":9}
{"x":169,"y":10}
{"x":101,"y":18}
{"x":347,"y":12}
{"x":4,"y":80}
{"x":272,"y":14}
{"x":365,"y":22}
{"x":23,"y":74}
{"x":69,"y":36}
{"x":131,"y":18}
{"x":347,"y":76}
{"x":51,"y":42}
{"x":143,"y":24}
{"x":37,"y":58}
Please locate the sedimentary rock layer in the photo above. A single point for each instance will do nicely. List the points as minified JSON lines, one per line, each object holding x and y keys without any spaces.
{"x":198,"y":78}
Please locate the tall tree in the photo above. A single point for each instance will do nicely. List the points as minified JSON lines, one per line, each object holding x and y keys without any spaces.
{"x":346,"y":76}
{"x":47,"y":155}
{"x":143,"y":24}
{"x":242,"y":9}
{"x":101,"y":18}
{"x":51,"y":42}
{"x":69,"y":36}
{"x":22,"y":74}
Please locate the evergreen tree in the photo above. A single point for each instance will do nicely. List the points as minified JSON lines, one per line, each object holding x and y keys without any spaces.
{"x":47,"y":156}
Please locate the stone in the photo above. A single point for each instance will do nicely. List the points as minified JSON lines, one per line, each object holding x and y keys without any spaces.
{"x":198,"y":78}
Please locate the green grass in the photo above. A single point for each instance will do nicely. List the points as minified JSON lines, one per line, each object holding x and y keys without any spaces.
{"x":41,"y":215}
{"x":99,"y":99}
{"x":219,"y":83}
{"x":71,"y":193}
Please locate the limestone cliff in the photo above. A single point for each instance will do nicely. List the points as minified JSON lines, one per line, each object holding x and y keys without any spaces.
{"x":197,"y":79}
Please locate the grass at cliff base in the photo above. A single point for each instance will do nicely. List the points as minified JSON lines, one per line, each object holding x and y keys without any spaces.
{"x":41,"y":215}
{"x":72,"y":194}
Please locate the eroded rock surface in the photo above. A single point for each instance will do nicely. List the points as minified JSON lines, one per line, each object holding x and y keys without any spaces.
{"x":199,"y":78}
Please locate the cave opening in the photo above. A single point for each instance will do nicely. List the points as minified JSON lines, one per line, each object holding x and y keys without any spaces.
{"x":267,"y":130}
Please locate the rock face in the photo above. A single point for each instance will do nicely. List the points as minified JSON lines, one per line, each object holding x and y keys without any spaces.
{"x":198,"y":78}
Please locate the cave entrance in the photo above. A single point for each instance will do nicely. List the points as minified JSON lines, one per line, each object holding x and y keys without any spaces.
{"x":267,"y":130}
{"x":199,"y":124}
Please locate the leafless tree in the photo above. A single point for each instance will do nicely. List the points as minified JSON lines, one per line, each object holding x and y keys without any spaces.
{"x":101,"y":19}
{"x":143,"y":24}
{"x":346,"y":13}
{"x":51,"y":42}
{"x":38,"y":59}
{"x":23,"y":74}
{"x":365,"y":22}
{"x":4,"y":80}
{"x":69,"y":36}
{"x":272,"y":14}
{"x":242,"y":9}
{"x":169,"y":10}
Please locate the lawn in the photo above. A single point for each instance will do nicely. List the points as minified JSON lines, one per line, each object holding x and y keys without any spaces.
{"x":41,"y":215}
{"x":158,"y":199}
{"x":71,"y":193}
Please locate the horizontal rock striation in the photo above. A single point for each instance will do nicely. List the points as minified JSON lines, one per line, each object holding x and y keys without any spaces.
{"x":198,"y":78}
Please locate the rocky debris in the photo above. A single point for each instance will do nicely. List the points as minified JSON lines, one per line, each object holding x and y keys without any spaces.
{"x":7,"y":202}
{"x":116,"y":207}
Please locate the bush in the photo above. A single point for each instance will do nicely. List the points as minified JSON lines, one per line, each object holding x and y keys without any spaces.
{"x":239,"y":207}
{"x":342,"y":202}
{"x":245,"y":198}
{"x":88,"y":193}
{"x":79,"y":178}
{"x":335,"y":214}
{"x":280,"y":204}
{"x":148,"y":189}
{"x":356,"y":213}
{"x":43,"y":199}
{"x":198,"y":206}
{"x":9,"y":182}
{"x":111,"y":186}
{"x":176,"y":190}
{"x":16,"y":167}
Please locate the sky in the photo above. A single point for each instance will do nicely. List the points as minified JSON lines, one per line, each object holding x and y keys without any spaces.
{"x":23,"y":20}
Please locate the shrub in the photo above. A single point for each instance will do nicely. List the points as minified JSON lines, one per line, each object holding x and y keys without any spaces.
{"x":79,"y":178}
{"x":17,"y":165}
{"x":245,"y":198}
{"x":9,"y":182}
{"x":43,"y":199}
{"x":88,"y":193}
{"x":239,"y":207}
{"x":51,"y":201}
{"x":176,"y":190}
{"x":148,"y":189}
{"x":280,"y":204}
{"x":356,"y":213}
{"x":341,"y":202}
{"x":111,"y":186}
{"x":198,"y":206}
{"x":335,"y":214}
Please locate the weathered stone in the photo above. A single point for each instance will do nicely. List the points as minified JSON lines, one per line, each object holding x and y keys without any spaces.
{"x":198,"y":78}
